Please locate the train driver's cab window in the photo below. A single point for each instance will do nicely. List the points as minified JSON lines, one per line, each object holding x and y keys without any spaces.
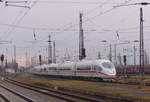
{"x":107,"y":65}
{"x":97,"y":68}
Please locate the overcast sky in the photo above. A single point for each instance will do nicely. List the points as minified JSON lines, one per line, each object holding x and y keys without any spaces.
{"x":60,"y":18}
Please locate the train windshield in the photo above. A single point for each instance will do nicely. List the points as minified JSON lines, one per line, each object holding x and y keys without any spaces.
{"x":107,"y":65}
{"x":97,"y":68}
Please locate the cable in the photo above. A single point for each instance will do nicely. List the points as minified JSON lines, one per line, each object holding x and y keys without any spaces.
{"x":66,"y":29}
{"x":70,"y":25}
{"x":100,"y":14}
{"x":90,"y":19}
{"x":67,"y":2}
{"x":56,"y":29}
{"x":9,"y":33}
{"x":13,"y":22}
{"x":121,"y":21}
{"x":99,"y":6}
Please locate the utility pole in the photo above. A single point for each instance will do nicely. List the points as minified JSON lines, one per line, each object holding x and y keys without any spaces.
{"x":99,"y":55}
{"x":146,"y":57}
{"x":67,"y":55}
{"x":119,"y":58}
{"x":15,"y":62}
{"x":14,"y":54}
{"x":6,"y":58}
{"x":110,"y":53}
{"x":82,"y":53}
{"x":54,"y":52}
{"x":115,"y":48}
{"x":134,"y":52}
{"x":49,"y":50}
{"x":141,"y":43}
{"x":6,"y":63}
{"x":26,"y":59}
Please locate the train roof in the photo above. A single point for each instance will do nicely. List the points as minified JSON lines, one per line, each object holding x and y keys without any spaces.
{"x":41,"y":66}
{"x":93,"y":61}
{"x":52,"y":65}
{"x":69,"y":63}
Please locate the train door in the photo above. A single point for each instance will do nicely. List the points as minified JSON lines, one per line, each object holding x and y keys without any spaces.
{"x":92,"y":72}
{"x":74,"y":69}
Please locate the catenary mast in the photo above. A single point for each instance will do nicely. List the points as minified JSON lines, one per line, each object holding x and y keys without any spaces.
{"x":82,"y":54}
{"x":49,"y":50}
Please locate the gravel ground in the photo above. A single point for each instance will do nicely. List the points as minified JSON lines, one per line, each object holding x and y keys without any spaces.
{"x":116,"y":89}
{"x":1,"y":100}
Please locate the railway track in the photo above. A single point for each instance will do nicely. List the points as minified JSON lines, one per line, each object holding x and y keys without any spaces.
{"x":110,"y":81}
{"x":4,"y":98}
{"x":96,"y":80}
{"x":25,"y":98}
{"x":69,"y":97}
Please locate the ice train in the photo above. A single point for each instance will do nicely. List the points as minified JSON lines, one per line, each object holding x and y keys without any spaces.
{"x":99,"y":69}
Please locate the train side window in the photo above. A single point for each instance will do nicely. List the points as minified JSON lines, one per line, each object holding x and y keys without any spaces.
{"x":65,"y":68}
{"x":83,"y":67}
{"x":59,"y":69}
{"x":52,"y":68}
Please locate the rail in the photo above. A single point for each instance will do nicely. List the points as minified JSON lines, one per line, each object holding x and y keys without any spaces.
{"x":4,"y":98}
{"x":17,"y":94}
{"x":55,"y":93}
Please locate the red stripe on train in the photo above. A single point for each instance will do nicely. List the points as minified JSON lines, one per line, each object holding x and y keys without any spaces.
{"x":80,"y":72}
{"x":107,"y":74}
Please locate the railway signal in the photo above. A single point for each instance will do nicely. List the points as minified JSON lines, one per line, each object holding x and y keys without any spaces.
{"x":83,"y":52}
{"x":125,"y":63}
{"x":40,"y":59}
{"x":2,"y":58}
{"x":125,"y":60}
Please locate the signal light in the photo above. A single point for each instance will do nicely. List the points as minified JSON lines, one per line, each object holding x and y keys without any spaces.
{"x":83,"y":52}
{"x":40,"y":59}
{"x":125,"y":60}
{"x":2,"y":58}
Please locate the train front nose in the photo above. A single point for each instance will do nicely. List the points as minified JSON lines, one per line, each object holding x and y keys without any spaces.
{"x":112,"y":72}
{"x":109,"y":69}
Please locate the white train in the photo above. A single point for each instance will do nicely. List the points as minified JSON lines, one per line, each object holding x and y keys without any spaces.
{"x":99,"y":69}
